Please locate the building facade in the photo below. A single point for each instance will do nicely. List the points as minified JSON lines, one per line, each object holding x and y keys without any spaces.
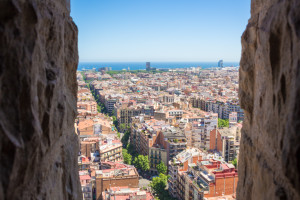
{"x":118,"y":175}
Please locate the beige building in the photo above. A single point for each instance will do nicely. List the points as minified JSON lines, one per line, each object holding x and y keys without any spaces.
{"x":111,"y":151}
{"x":157,"y":154}
{"x":226,"y":141}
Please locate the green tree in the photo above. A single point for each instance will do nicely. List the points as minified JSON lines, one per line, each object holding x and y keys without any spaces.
{"x":145,"y":164}
{"x":115,"y":121}
{"x":127,"y":157}
{"x":161,"y":168}
{"x":123,"y":126}
{"x":98,"y":109}
{"x":142,"y":162}
{"x":158,"y":184}
{"x":136,"y":163}
{"x":223,"y":123}
{"x":130,"y":149}
{"x":125,"y":139}
{"x":234,"y":162}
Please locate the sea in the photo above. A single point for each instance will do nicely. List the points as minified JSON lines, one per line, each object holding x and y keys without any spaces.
{"x":158,"y":65}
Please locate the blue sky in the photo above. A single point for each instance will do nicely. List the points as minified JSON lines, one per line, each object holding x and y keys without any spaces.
{"x":160,"y":30}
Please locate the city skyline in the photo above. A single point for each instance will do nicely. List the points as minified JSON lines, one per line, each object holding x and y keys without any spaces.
{"x":135,"y":31}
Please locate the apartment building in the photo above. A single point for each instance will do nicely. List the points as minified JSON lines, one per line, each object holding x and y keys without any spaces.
{"x":234,"y":107}
{"x":126,"y":193}
{"x":160,"y":141}
{"x":93,"y":127}
{"x":168,"y":99}
{"x":197,"y":126}
{"x":145,"y":137}
{"x":85,"y":128}
{"x":157,"y":154}
{"x":177,"y":114}
{"x":84,"y":94}
{"x":233,"y":119}
{"x":180,"y":164}
{"x":86,"y":185}
{"x":224,"y":109}
{"x":88,"y":147}
{"x":187,"y":188}
{"x":203,"y":127}
{"x":173,"y":140}
{"x":207,"y":178}
{"x":126,"y":110}
{"x":160,"y":115}
{"x":101,"y":148}
{"x":117,"y":175}
{"x":110,"y":150}
{"x":84,"y":163}
{"x":226,"y":141}
{"x":109,"y":103}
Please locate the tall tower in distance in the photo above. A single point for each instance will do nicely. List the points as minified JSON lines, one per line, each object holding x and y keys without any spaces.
{"x":148,"y":68}
{"x":220,"y":63}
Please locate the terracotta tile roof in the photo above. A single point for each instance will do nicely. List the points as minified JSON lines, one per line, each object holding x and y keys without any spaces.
{"x":84,"y":177}
{"x":86,"y":123}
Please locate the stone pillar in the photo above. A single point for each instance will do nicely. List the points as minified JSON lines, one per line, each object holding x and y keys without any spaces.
{"x":269,"y":162}
{"x":38,"y":61}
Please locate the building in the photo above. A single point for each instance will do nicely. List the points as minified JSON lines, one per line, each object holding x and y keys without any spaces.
{"x":156,"y":139}
{"x":233,"y":117}
{"x":84,"y":163}
{"x":93,"y":127}
{"x":216,"y":178}
{"x":168,"y":99}
{"x":148,"y":68}
{"x":86,"y":185}
{"x":180,"y":163}
{"x":126,"y":193}
{"x":101,"y":148}
{"x":115,"y":175}
{"x":226,"y":141}
{"x":157,"y":154}
{"x":234,"y":107}
{"x":85,"y":128}
{"x":88,"y":147}
{"x":207,"y":178}
{"x":146,"y":139}
{"x":197,"y":127}
{"x":126,"y":110}
{"x":110,"y":150}
{"x":220,"y":64}
{"x":173,"y":140}
{"x":224,"y":109}
{"x":106,"y":69}
{"x":177,"y":114}
{"x":160,"y":115}
{"x":109,"y":103}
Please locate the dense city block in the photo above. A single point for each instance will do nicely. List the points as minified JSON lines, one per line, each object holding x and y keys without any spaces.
{"x":158,"y":134}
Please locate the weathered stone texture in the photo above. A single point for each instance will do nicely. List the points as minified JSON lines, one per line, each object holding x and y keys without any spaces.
{"x":269,"y":162}
{"x":38,"y":61}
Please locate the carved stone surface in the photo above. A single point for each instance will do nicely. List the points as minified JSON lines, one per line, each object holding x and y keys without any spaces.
{"x":38,"y":61}
{"x":269,"y":162}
